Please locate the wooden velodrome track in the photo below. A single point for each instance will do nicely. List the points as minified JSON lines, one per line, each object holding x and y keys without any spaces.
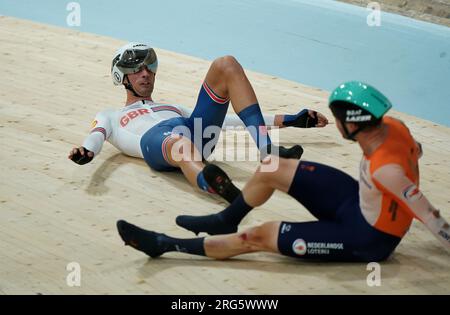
{"x":54,"y":212}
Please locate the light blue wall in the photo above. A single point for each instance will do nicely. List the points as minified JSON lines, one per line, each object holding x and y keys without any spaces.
{"x":319,"y":43}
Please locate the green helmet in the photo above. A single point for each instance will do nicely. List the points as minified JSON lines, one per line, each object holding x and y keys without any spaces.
{"x":359,"y":103}
{"x":364,"y":96}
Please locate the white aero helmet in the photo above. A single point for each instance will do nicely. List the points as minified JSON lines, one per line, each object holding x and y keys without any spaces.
{"x":130,"y":59}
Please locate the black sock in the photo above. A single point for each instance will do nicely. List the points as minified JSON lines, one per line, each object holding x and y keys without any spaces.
{"x":192,"y":246}
{"x":236,"y":211}
{"x":155,"y":244}
{"x":224,"y":222}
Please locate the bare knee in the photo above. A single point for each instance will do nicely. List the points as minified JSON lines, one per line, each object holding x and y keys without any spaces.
{"x":227,"y":65}
{"x":263,"y":176}
{"x":279,"y":174}
{"x":262,"y":237}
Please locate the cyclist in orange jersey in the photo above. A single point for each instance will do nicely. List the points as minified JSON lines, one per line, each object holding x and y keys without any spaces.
{"x":361,"y":220}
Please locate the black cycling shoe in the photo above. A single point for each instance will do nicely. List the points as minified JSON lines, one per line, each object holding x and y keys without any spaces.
{"x":211,"y":224}
{"x":219,"y":181}
{"x":140,"y":239}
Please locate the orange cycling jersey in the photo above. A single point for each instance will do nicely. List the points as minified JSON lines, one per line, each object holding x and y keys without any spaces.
{"x":389,"y":180}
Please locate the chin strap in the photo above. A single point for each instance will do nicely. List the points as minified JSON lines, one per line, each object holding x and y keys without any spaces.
{"x":130,"y":88}
{"x":351,"y":136}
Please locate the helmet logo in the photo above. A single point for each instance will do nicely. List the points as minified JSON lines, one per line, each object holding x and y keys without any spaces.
{"x":117,"y":76}
{"x":355,"y":116}
{"x":358,"y":118}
